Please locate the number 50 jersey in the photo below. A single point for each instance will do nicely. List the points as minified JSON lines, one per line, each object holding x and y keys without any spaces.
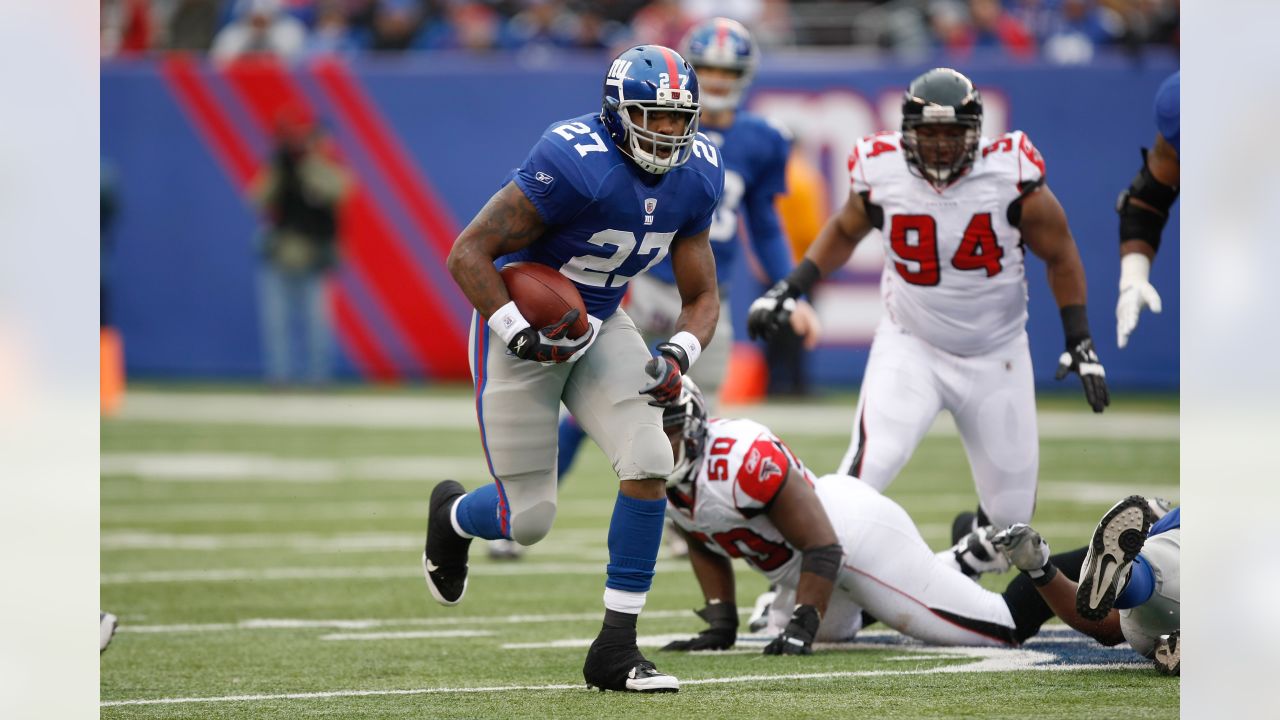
{"x":723,"y":504}
{"x":608,"y":220}
{"x":953,"y":272}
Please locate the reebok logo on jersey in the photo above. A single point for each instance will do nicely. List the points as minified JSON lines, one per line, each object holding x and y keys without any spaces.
{"x":544,"y":178}
{"x":752,"y":460}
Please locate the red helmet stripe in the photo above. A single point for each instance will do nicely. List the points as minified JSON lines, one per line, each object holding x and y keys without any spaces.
{"x":672,"y":73}
{"x":722,"y":32}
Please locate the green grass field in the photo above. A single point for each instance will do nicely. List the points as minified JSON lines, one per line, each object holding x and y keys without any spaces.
{"x":262,"y":552}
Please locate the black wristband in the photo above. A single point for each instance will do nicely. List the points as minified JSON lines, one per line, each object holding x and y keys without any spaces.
{"x":803,"y":277}
{"x":823,"y":561}
{"x":677,"y":353}
{"x":1075,"y":324}
{"x":1047,"y":573}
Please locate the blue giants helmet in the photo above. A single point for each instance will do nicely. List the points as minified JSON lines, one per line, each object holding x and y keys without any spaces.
{"x":722,"y":43}
{"x":647,"y":80}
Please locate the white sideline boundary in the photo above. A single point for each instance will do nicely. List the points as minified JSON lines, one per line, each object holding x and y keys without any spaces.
{"x":408,"y":412}
{"x":372,"y":623}
{"x":981,"y":666}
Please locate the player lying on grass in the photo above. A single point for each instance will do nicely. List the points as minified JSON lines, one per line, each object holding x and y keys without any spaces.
{"x":838,"y":551}
{"x":1129,"y":588}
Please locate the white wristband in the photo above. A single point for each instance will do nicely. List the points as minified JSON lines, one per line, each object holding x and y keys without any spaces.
{"x":689,"y":343}
{"x":507,"y":321}
{"x":1135,"y":269}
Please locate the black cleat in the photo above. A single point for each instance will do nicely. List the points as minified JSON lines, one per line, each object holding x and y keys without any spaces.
{"x":1168,"y":653}
{"x":615,"y":663}
{"x":1116,"y":542}
{"x":444,"y":559}
{"x":964,"y":523}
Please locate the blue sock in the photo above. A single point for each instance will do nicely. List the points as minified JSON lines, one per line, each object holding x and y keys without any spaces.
{"x":483,"y":513}
{"x":1142,"y":582}
{"x":635,"y":534}
{"x":571,"y":435}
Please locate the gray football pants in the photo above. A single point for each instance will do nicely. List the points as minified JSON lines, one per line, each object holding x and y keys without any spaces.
{"x":518,"y":401}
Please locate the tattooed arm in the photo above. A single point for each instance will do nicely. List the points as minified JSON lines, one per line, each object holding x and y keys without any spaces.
{"x":508,"y":222}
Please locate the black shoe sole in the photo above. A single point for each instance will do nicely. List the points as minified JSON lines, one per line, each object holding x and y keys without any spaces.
{"x":1126,"y":543}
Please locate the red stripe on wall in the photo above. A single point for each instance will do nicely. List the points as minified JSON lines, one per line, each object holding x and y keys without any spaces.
{"x":369,"y":241}
{"x":365,"y":351}
{"x":184,"y":82}
{"x":238,"y":160}
{"x":409,"y":185}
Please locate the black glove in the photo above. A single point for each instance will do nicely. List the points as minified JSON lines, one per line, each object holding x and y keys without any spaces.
{"x":1082,"y":360}
{"x":667,"y":371}
{"x":723,"y":633}
{"x":549,"y":345}
{"x":771,"y":311}
{"x":797,"y":638}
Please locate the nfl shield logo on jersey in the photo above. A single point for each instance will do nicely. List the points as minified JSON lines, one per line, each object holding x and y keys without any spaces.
{"x":650,"y":204}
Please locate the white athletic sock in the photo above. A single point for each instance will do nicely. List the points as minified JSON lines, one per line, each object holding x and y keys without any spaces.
{"x":622,"y":601}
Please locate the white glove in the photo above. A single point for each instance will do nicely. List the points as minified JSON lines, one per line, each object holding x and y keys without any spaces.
{"x":1023,"y":546}
{"x":1136,"y":293}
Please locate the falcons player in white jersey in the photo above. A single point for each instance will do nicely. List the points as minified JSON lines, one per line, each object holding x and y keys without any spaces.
{"x":956,"y":211}
{"x":832,"y":545}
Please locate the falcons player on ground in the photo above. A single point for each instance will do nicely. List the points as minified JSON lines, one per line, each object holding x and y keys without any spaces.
{"x":956,"y":211}
{"x":832,"y":545}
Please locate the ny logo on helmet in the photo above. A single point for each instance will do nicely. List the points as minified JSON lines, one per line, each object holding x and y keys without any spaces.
{"x":618,"y":72}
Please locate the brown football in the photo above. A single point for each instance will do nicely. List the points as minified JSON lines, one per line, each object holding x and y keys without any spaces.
{"x":543,"y":295}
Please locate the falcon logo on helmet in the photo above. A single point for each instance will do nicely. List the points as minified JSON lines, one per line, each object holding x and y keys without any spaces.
{"x":725,"y":44}
{"x":941,"y":126}
{"x":689,"y":413}
{"x":650,"y":107}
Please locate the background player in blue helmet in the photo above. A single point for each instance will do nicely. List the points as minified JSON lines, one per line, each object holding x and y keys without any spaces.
{"x":1129,"y":584}
{"x":601,"y":197}
{"x":1144,"y":210}
{"x":755,"y":153}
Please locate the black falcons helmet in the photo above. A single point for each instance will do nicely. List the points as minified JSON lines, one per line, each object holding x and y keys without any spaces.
{"x":941,"y":96}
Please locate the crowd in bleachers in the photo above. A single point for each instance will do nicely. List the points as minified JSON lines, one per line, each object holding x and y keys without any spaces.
{"x":1059,"y":30}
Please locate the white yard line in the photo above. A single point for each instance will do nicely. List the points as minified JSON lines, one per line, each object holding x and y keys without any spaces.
{"x":371,"y":623}
{"x":408,"y":635}
{"x":213,"y":466}
{"x":986,"y":660}
{"x":359,"y":573}
{"x":560,"y":541}
{"x":408,"y":412}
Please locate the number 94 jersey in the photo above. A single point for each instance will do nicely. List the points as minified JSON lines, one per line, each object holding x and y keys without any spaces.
{"x":608,"y":220}
{"x":953,"y":272}
{"x":723,"y":506}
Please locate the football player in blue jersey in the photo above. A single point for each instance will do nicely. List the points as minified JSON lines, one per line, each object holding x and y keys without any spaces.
{"x":1129,"y":585}
{"x":601,"y":198}
{"x":755,"y":154}
{"x":1144,"y":210}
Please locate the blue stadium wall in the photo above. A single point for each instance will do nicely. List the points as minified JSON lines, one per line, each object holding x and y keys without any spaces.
{"x":431,"y":138}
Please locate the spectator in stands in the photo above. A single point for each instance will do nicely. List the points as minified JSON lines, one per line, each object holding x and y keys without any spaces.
{"x":128,"y":27}
{"x":299,"y":193}
{"x":661,"y":22}
{"x":261,"y":28}
{"x":993,"y":28}
{"x":192,"y":24}
{"x":332,"y":34}
{"x":1078,"y":30}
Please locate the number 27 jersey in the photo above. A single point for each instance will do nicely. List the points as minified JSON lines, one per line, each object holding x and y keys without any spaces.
{"x":954,"y":273}
{"x":724,"y":506}
{"x":607,"y":220}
